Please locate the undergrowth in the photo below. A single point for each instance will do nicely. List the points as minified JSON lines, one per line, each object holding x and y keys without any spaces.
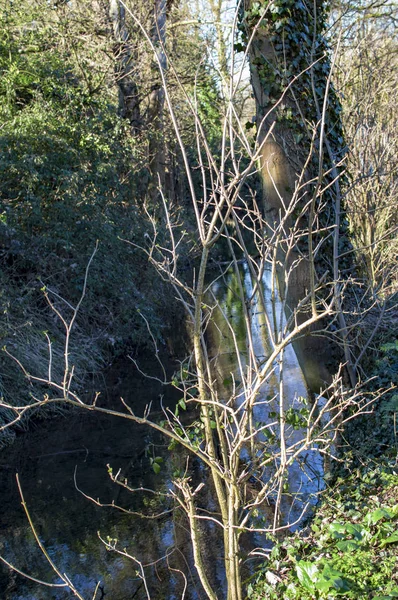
{"x":350,"y":548}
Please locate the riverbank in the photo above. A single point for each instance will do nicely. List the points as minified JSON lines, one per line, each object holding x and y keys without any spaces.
{"x":349,"y":549}
{"x":124,"y":307}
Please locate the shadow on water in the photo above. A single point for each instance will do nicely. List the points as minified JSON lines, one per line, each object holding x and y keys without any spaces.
{"x":68,"y":523}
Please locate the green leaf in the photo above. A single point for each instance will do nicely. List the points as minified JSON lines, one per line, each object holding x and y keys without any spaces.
{"x":337,"y":530}
{"x":332,"y":579}
{"x":348,"y":545}
{"x":307,"y":573}
{"x":392,"y":539}
{"x":182,"y":404}
{"x":355,"y":530}
{"x":156,"y":468}
{"x":378,"y":514}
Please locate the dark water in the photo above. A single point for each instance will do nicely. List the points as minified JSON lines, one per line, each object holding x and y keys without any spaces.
{"x":69,"y":524}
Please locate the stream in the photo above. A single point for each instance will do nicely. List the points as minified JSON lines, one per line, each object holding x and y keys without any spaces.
{"x":57,"y":460}
{"x":305,"y":476}
{"x":46,"y":459}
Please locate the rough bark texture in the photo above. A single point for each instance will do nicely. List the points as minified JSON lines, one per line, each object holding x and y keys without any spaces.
{"x":129,"y":100}
{"x":283,"y":159}
{"x":157,"y":150}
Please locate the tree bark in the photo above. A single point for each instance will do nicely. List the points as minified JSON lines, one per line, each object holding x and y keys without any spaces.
{"x":157,"y":149}
{"x":282,"y":164}
{"x":129,"y":98}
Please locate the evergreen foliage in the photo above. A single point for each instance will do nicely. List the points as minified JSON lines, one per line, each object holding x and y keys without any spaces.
{"x":70,"y":174}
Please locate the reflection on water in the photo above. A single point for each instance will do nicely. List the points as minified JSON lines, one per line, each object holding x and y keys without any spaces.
{"x":305,"y":475}
{"x":68,"y":523}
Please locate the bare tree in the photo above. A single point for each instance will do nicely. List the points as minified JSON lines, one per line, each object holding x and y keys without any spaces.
{"x":368,"y":81}
{"x":251,"y":429}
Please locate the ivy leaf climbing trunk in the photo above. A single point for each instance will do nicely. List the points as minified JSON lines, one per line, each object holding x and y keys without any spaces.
{"x":300,"y":134}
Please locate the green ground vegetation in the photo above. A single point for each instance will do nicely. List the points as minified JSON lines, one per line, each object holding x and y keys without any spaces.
{"x":349,"y":549}
{"x":70,"y":174}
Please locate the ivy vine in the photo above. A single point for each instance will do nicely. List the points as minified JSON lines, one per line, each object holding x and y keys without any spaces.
{"x":300,"y":61}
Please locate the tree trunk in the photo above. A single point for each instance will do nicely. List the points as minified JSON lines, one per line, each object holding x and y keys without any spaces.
{"x":284,"y":164}
{"x":129,"y":99}
{"x":157,"y":150}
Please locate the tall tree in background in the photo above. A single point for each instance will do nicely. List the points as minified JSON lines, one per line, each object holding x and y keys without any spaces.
{"x":134,"y":63}
{"x":126,"y":73}
{"x":295,"y":100}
